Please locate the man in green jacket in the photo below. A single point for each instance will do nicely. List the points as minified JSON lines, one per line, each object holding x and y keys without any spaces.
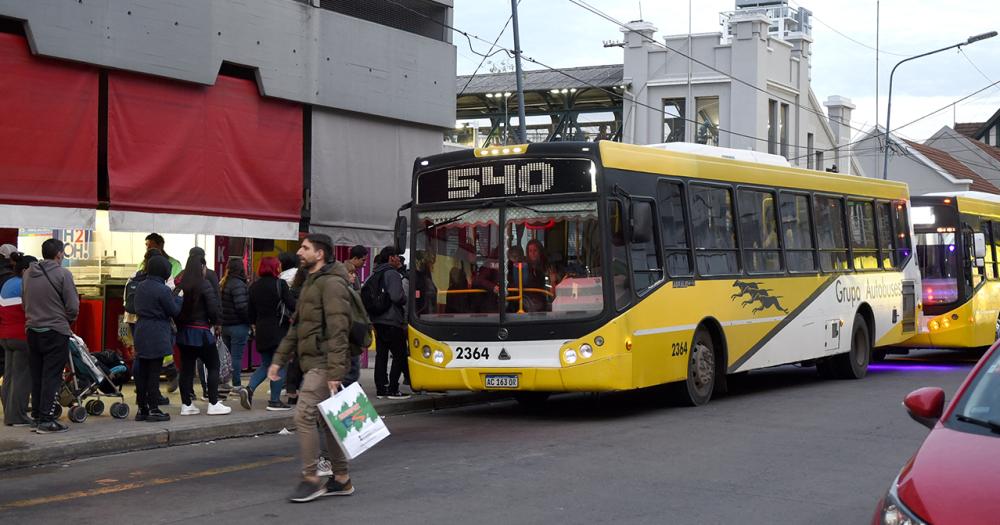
{"x":319,"y":337}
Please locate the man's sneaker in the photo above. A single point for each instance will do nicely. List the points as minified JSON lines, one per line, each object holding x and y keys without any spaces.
{"x":398,"y":395}
{"x":246,"y":398}
{"x":51,"y":427}
{"x":307,"y":491}
{"x":336,"y":488}
{"x":190,"y":410}
{"x":323,"y":468}
{"x":156,"y":416}
{"x":141,"y":416}
{"x":218,"y":409}
{"x":277,"y":406}
{"x":381,"y":394}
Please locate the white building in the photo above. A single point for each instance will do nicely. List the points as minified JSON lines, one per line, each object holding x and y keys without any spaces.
{"x":749,"y":89}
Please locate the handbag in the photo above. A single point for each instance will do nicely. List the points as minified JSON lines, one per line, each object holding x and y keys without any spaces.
{"x":284,"y":313}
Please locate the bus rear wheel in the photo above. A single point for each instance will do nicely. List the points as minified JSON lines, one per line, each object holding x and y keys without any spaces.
{"x":697,"y":389}
{"x":854,"y":364}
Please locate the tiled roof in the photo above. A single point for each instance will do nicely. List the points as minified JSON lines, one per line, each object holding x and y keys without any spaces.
{"x":990,"y":150}
{"x":968,"y":129}
{"x":955,"y":168}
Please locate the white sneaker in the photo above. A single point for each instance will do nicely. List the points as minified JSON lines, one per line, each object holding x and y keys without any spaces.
{"x":218,"y":409}
{"x":189,"y":410}
{"x":324,"y":468}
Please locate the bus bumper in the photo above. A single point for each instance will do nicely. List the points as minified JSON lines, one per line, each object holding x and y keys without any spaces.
{"x":605,"y":374}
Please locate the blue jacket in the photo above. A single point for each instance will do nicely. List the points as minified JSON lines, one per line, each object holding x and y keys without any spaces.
{"x":156,"y":306}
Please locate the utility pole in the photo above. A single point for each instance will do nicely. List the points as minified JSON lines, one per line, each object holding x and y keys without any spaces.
{"x":521,"y":127}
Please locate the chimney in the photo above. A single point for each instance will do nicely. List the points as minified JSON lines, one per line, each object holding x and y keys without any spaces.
{"x":638,"y":33}
{"x":839,"y":113}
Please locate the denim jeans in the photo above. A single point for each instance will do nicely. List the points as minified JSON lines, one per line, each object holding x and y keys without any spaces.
{"x":236,"y":336}
{"x":260,"y":374}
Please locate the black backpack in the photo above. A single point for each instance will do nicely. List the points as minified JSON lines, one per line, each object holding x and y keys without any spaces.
{"x":130,"y":287}
{"x":374,"y":296}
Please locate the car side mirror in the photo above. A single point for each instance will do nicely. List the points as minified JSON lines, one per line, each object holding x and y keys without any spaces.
{"x":399,"y":233}
{"x":979,"y":245}
{"x":642,"y":222}
{"x":925,"y":405}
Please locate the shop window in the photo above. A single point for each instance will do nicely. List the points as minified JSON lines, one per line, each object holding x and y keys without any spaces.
{"x":673,"y":119}
{"x":707,"y":120}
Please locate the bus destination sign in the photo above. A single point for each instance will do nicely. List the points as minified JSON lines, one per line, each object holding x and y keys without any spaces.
{"x":499,"y":179}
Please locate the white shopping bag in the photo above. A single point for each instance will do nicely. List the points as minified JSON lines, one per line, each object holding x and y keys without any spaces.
{"x":353,"y":421}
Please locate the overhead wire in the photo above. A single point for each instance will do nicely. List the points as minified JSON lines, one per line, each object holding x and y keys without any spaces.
{"x":488,"y":53}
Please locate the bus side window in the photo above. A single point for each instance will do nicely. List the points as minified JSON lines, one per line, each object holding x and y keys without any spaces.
{"x":619,"y":255}
{"x":830,"y":234}
{"x":991,"y":270}
{"x":971,"y":226}
{"x":862,"y":222}
{"x":884,"y":234}
{"x":673,"y":228}
{"x":759,"y":231}
{"x":901,"y":237}
{"x":713,"y":230}
{"x":796,"y":225}
{"x":647,"y":269}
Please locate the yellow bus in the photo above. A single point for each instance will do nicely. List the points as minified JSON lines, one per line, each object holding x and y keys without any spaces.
{"x":562,"y":267}
{"x":957,"y":235}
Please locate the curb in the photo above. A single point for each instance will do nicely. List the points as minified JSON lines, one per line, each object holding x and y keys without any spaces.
{"x":67,"y":450}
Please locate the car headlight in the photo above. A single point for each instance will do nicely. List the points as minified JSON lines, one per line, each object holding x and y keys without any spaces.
{"x":438,"y":357}
{"x":586,"y":350}
{"x":569,"y":356}
{"x":893,"y":512}
{"x":426,"y":352}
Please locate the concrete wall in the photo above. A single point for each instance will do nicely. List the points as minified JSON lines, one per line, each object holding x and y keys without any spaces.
{"x":302,"y":53}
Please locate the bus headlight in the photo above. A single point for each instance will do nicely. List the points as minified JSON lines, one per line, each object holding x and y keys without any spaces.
{"x":438,"y":357}
{"x":946,"y":323}
{"x":586,"y":351}
{"x":427,"y":352}
{"x":933,"y":325}
{"x":569,"y":356}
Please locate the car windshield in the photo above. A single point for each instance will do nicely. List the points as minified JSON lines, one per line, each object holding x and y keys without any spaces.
{"x":549,"y":253}
{"x":981,"y":401}
{"x":938,"y":258}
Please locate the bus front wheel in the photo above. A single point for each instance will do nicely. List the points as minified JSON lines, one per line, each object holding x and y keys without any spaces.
{"x":697,"y":389}
{"x":854,"y":364}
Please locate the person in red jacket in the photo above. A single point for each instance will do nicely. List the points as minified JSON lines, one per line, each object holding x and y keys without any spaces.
{"x":17,"y":380}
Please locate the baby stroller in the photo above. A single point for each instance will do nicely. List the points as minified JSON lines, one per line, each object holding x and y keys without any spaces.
{"x":87,"y":377}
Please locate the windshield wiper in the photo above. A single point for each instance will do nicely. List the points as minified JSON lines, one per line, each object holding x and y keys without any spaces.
{"x":455,"y":218}
{"x":992,"y":425}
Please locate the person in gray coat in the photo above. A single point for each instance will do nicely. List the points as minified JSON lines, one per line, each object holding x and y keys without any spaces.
{"x":51,"y":305}
{"x":156,"y":307}
{"x":390,"y":327}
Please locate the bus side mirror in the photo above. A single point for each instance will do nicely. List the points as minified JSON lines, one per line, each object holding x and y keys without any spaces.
{"x":979,"y":245}
{"x":399,"y":234}
{"x":642,"y":222}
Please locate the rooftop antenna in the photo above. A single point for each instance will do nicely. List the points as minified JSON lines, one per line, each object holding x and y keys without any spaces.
{"x":640,"y":10}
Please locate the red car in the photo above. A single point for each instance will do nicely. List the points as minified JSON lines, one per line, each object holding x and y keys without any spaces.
{"x":955,"y":475}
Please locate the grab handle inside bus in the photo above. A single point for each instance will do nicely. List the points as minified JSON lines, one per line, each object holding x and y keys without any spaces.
{"x":641,"y":219}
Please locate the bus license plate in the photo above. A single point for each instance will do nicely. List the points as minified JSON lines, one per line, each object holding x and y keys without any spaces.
{"x":501,"y":381}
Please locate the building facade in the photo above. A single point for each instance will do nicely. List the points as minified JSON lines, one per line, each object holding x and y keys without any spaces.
{"x":321,"y":104}
{"x":748,"y":88}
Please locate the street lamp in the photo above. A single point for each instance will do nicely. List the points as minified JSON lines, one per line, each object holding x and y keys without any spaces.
{"x":888,"y":110}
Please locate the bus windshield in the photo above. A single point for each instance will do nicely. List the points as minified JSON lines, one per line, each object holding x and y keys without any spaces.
{"x":544,"y":262}
{"x":938,"y":258}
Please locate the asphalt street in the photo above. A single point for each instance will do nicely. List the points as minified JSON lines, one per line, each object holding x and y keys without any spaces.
{"x":784,"y":447}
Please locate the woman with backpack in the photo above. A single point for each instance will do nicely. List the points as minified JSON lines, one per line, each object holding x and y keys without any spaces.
{"x":235,"y":314}
{"x":270,"y":309}
{"x":199,"y":313}
{"x":156,"y":307}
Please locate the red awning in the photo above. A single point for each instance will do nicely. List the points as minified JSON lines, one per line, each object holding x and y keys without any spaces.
{"x":186,"y":158}
{"x":48,"y":140}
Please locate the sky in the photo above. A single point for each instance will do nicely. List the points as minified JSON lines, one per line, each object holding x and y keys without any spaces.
{"x":561,"y":34}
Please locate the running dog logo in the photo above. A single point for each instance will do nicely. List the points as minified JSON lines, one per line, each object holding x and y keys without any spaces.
{"x":756,"y":294}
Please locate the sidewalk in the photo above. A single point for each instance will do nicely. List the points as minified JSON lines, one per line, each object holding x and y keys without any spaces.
{"x":102,"y":435}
